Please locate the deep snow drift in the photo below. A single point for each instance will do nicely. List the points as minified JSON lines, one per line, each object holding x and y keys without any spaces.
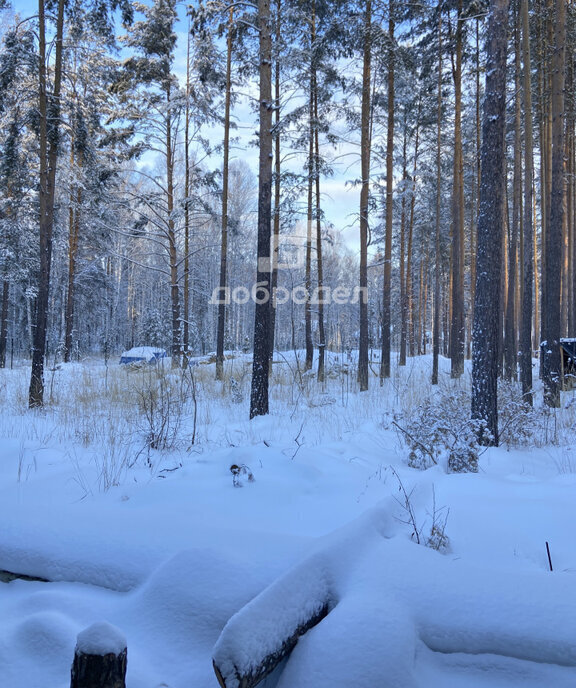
{"x":161,"y":544}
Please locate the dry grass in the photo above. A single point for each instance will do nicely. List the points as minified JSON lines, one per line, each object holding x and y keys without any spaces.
{"x":136,"y":417}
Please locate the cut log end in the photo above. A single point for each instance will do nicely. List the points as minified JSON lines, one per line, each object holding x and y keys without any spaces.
{"x":100,"y":658}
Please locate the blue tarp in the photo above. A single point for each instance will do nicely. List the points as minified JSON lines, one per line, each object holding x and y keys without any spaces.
{"x":143,"y":354}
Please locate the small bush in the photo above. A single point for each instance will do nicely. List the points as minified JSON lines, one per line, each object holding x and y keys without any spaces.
{"x":439,"y":431}
{"x":519,"y":423}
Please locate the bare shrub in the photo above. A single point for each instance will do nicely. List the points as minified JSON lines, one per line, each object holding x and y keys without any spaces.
{"x":164,"y":400}
{"x":520,"y":424}
{"x":432,"y":531}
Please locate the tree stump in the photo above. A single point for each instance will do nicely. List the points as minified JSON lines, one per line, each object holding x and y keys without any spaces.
{"x":100,"y":658}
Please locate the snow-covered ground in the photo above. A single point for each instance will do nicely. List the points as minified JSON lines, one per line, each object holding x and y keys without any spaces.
{"x":161,"y":544}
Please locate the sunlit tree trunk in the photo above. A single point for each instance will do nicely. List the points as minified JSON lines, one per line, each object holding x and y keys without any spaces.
{"x":48,"y":126}
{"x":527,"y":226}
{"x":510,"y":339}
{"x":552,"y":274}
{"x":223,"y":281}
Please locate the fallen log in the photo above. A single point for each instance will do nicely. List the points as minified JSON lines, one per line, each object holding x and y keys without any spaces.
{"x":268,"y":663}
{"x":8,"y":576}
{"x":266,"y":630}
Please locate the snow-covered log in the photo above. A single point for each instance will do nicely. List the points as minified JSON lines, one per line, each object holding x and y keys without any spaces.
{"x":261,"y":634}
{"x":100,"y":658}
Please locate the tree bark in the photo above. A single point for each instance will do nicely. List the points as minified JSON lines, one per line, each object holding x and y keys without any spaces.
{"x":223,"y":282}
{"x":310,"y":211}
{"x":277,"y":181}
{"x":551,"y":364}
{"x":365,"y":146}
{"x":49,"y":115}
{"x":261,"y":360}
{"x":436,"y":325}
{"x":486,"y":328}
{"x":457,"y":328}
{"x":4,"y":322}
{"x":99,"y":671}
{"x":186,"y":270}
{"x":385,"y":368}
{"x":527,"y":226}
{"x":73,"y":242}
{"x":320,"y":263}
{"x":171,"y":233}
{"x":510,"y":338}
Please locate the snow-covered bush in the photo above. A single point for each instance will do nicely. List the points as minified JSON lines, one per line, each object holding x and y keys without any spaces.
{"x":519,"y":423}
{"x":440,"y":431}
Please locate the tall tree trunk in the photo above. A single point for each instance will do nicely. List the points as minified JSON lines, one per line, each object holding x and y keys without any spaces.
{"x":365,"y":145}
{"x":319,"y":256}
{"x":403,"y":309}
{"x":186,"y":270}
{"x":571,"y":174}
{"x":551,"y":369}
{"x":310,"y":213}
{"x":436,"y":324}
{"x":475,"y":210}
{"x":385,"y":368}
{"x":223,"y":282}
{"x":457,"y":329}
{"x":545,"y":39}
{"x":486,"y":329}
{"x":48,"y":125}
{"x":73,"y":242}
{"x":4,"y":322}
{"x":409,"y":256}
{"x":510,"y":339}
{"x":527,"y":226}
{"x":171,"y":236}
{"x":261,"y":360}
{"x":568,"y":272}
{"x":277,"y":178}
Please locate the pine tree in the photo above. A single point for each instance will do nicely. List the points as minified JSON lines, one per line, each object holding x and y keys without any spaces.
{"x":486,"y":328}
{"x":550,"y":346}
{"x":261,"y":359}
